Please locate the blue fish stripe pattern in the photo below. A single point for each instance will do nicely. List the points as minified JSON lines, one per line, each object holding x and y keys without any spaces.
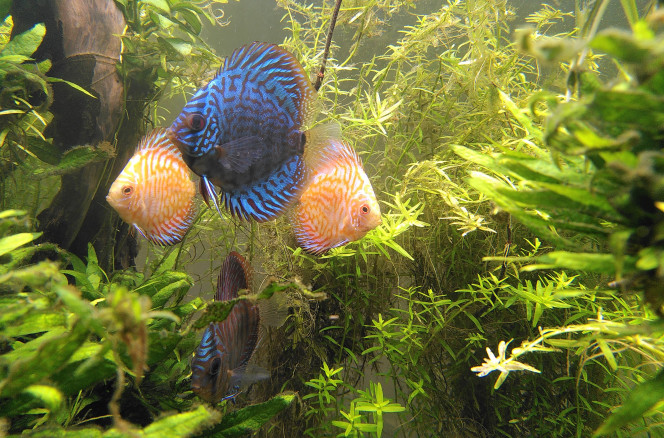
{"x":266,"y":200}
{"x":227,"y":346}
{"x":243,"y":131}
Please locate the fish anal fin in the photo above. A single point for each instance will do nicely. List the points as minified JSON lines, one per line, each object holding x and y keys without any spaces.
{"x":141,"y":232}
{"x":270,"y":197}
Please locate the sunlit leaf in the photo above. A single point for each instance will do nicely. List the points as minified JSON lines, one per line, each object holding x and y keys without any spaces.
{"x":184,"y":424}
{"x":250,"y":419}
{"x":25,"y":43}
{"x":159,"y":4}
{"x":14,"y":241}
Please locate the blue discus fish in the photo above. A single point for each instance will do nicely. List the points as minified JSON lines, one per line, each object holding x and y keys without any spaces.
{"x":219,"y":366}
{"x":242,"y":131}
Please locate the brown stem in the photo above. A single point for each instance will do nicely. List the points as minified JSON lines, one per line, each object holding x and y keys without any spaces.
{"x":333,"y":21}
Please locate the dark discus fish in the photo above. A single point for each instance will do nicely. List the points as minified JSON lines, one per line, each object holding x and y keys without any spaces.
{"x":242,"y":131}
{"x":220,"y":364}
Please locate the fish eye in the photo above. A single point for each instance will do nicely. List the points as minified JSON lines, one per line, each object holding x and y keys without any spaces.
{"x":127,"y":190}
{"x":215,"y":365}
{"x":364,"y":209}
{"x":196,"y":122}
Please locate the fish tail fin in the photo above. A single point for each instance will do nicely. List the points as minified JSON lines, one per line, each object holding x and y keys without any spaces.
{"x":235,"y":275}
{"x":273,"y":311}
{"x":208,"y":191}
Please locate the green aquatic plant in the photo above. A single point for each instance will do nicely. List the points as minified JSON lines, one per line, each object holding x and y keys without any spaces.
{"x":61,"y":345}
{"x":354,"y":422}
{"x":25,"y":97}
{"x":454,"y":70}
{"x":593,"y":195}
{"x":518,"y":174}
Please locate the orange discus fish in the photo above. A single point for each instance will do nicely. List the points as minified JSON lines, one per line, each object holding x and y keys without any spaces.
{"x":154,"y":191}
{"x":338,"y":205}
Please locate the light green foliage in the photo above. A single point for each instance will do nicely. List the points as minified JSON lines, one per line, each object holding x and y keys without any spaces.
{"x":365,"y":413}
{"x":536,"y":125}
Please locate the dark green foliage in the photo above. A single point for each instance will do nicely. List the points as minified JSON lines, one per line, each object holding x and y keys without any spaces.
{"x":59,"y":341}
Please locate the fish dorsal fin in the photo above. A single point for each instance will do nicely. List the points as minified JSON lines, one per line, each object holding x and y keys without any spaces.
{"x":235,"y":275}
{"x":322,"y":155}
{"x":157,"y":138}
{"x":240,"y":154}
{"x":275,"y":70}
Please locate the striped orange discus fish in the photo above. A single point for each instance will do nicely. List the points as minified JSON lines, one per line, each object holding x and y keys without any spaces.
{"x":219,"y":365}
{"x":154,"y":191}
{"x":338,"y":205}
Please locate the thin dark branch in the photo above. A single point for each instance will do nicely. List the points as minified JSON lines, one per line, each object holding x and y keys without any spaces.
{"x":333,"y":21}
{"x":506,"y":251}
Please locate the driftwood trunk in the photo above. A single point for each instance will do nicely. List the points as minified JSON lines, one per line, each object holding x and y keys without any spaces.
{"x":83,"y":43}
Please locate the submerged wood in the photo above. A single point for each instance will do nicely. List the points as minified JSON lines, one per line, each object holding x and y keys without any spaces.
{"x":83,"y":43}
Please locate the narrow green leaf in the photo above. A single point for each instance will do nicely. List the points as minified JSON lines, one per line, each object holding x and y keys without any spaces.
{"x":181,"y":46}
{"x":631,"y":12}
{"x":36,"y":323}
{"x":44,"y":150}
{"x":49,"y":396}
{"x":51,"y":355}
{"x":192,"y":20}
{"x":621,"y":45}
{"x":642,"y":398}
{"x":524,"y":120}
{"x":11,"y":213}
{"x":159,"y":4}
{"x":590,"y":262}
{"x":73,"y":85}
{"x":177,"y":288}
{"x":608,"y":354}
{"x":77,"y":158}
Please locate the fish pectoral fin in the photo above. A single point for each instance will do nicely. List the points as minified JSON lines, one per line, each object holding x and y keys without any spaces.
{"x":207,"y":190}
{"x":238,"y":155}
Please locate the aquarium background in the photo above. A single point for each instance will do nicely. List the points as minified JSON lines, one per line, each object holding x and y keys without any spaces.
{"x":514,"y":287}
